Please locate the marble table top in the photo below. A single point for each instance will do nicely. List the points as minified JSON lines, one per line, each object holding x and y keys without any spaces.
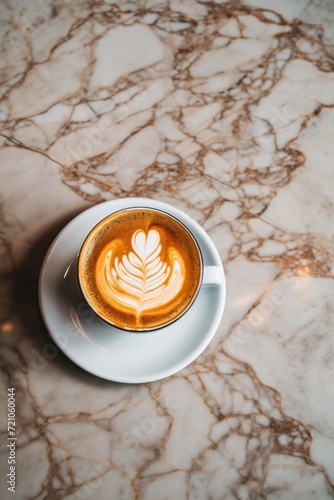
{"x":225,"y":110}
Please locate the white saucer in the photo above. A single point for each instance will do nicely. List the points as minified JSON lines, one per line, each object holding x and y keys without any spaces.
{"x":106,"y":351}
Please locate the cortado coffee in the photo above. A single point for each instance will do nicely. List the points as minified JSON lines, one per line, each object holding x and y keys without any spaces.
{"x":140,"y":269}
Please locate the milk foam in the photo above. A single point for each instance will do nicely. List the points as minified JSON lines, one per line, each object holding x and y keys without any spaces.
{"x":140,"y":280}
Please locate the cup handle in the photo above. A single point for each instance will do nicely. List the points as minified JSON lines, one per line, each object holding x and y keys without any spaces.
{"x":213,"y":275}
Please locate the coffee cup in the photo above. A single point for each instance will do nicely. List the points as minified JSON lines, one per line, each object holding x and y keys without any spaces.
{"x":140,"y":268}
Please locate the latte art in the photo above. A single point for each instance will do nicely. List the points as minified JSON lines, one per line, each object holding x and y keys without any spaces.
{"x":140,"y":280}
{"x":139,"y":269}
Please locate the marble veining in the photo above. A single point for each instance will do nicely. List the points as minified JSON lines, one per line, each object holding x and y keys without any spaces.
{"x":224,"y":109}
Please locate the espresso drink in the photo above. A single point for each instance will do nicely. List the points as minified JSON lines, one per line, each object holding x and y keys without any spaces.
{"x":140,"y":269}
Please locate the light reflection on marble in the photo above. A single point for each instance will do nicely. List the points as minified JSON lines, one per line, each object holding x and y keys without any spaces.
{"x":225,"y":110}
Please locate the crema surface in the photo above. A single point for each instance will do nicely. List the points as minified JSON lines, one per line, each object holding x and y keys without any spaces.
{"x":140,"y":269}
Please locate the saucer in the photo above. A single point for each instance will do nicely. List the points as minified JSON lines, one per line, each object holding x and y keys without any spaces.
{"x":108,"y":352}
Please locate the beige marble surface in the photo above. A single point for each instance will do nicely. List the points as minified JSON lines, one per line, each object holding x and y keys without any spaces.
{"x":225,"y":110}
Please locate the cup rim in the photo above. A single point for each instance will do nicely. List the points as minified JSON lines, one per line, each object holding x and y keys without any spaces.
{"x":199,"y":285}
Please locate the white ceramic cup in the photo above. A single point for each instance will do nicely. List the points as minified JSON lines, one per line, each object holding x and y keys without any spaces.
{"x":210,"y":275}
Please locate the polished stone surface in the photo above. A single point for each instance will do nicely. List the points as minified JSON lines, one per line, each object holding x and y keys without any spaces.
{"x":225,"y":110}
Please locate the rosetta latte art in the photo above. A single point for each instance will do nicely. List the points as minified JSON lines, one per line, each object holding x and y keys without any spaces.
{"x":140,"y":280}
